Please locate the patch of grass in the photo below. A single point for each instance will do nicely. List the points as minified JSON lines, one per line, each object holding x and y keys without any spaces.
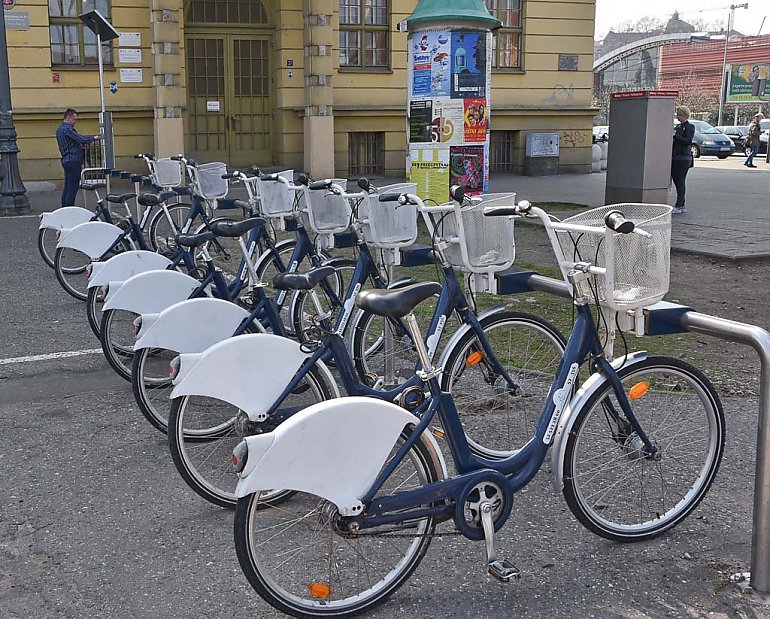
{"x":560,"y":206}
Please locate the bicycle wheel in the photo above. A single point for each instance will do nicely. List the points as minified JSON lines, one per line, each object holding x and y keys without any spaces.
{"x":369,"y":349}
{"x":267,"y":267}
{"x":117,"y":339}
{"x":46,"y":244}
{"x":615,"y":489}
{"x":94,"y":303}
{"x":152,"y":386}
{"x":70,"y":268}
{"x":291,"y":552}
{"x":163,"y":228}
{"x":303,"y":311}
{"x":202,"y":433}
{"x":497,"y":417}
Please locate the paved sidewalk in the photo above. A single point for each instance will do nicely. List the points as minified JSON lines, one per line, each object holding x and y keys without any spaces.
{"x":728,"y":205}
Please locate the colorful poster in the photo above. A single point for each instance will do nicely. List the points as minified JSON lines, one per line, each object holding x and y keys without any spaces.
{"x":430,"y":53}
{"x":447,"y":121}
{"x":475,"y":120}
{"x":749,"y":83}
{"x":421,"y":121}
{"x":469,"y":65}
{"x":430,"y":170}
{"x":466,"y":168}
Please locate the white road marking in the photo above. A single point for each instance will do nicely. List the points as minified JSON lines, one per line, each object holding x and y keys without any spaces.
{"x":19,"y":217}
{"x":48,"y":357}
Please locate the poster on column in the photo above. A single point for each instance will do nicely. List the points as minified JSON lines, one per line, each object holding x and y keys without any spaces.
{"x":475,"y":120}
{"x":420,"y":121}
{"x":447,"y":121}
{"x":430,"y":170}
{"x":466,"y":168}
{"x":469,"y":65}
{"x":430,"y":54}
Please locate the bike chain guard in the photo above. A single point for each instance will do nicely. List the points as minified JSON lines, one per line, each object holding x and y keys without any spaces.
{"x":486,"y":486}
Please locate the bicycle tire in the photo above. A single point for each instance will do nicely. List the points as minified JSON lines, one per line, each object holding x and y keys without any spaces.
{"x":70,"y":268}
{"x":496,"y":418}
{"x":681,"y":395}
{"x":117,"y":339}
{"x":94,"y":311}
{"x":211,"y":430}
{"x":159,"y":232}
{"x":47,"y":239}
{"x":267,"y":570}
{"x":304,"y":330}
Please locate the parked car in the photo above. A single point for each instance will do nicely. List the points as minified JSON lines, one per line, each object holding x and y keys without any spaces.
{"x":709,"y":140}
{"x":765,"y":135}
{"x":738,"y":136}
{"x":601,"y":133}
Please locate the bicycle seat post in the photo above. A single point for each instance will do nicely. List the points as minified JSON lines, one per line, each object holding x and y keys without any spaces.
{"x":428,"y":371}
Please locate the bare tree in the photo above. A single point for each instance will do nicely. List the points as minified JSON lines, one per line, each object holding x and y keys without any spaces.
{"x":648,"y":23}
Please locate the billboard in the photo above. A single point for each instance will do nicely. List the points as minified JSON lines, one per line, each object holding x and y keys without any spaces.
{"x":748,"y":83}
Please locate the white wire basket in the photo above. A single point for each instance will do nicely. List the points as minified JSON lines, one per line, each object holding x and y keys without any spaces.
{"x":478,"y":244}
{"x":389,"y":224}
{"x":637,"y":267}
{"x":324,"y":212}
{"x":209,"y":182}
{"x":166,"y":172}
{"x":276,"y":199}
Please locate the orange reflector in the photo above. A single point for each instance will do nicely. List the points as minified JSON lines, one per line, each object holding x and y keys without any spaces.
{"x":320,"y":590}
{"x":638,"y":390}
{"x":473,"y":359}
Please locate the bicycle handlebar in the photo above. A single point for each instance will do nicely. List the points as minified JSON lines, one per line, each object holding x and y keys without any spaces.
{"x":324,"y":184}
{"x":392,"y":196}
{"x":148,"y":156}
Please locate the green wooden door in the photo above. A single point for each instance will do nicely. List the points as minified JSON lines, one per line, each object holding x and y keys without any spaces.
{"x":229,"y":105}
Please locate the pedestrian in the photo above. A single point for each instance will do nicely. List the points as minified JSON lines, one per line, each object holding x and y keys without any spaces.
{"x":752,"y":140}
{"x":681,"y":155}
{"x":71,"y":145}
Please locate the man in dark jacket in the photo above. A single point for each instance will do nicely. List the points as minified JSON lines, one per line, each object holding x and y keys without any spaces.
{"x":752,"y":140}
{"x":71,"y":148}
{"x":681,"y":155}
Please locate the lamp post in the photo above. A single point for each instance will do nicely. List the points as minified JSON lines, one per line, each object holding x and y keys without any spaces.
{"x":13,"y":194}
{"x":730,"y":20}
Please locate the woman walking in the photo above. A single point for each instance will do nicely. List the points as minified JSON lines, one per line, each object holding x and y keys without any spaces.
{"x":681,"y":156}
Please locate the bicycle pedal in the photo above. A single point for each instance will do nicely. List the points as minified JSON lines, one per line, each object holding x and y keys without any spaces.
{"x":503,"y":570}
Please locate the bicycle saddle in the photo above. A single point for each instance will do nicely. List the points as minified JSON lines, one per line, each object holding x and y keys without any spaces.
{"x":93,"y":186}
{"x":149,"y":199}
{"x":302,"y":281}
{"x":194,"y":240}
{"x":119,"y":198}
{"x":235,"y":229}
{"x":396,"y":303}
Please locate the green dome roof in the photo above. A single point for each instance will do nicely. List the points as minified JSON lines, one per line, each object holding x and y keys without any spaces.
{"x":428,"y":11}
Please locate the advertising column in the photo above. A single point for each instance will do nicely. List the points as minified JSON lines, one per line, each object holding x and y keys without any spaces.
{"x":449,"y":82}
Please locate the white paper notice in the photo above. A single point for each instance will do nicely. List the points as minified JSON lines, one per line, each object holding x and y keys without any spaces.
{"x":130,"y":39}
{"x":128,"y":55}
{"x":212,"y":106}
{"x":131,"y":75}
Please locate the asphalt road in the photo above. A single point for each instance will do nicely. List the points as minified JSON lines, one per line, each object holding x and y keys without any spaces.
{"x":96,"y":522}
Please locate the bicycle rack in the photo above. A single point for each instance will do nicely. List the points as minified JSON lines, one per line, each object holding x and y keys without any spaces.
{"x":665,"y":318}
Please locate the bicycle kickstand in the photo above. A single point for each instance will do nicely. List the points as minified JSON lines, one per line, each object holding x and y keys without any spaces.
{"x":502,"y":569}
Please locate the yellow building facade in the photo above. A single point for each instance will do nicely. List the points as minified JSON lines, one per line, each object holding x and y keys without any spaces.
{"x":315,"y":85}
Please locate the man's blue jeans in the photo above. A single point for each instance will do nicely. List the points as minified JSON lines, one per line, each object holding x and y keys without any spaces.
{"x":71,"y":182}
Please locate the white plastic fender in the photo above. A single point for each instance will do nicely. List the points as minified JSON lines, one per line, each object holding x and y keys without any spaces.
{"x":93,"y":238}
{"x":65,"y":218}
{"x":586,"y":390}
{"x":249,"y":371}
{"x":333,"y":449}
{"x":150,"y":292}
{"x":126,"y":265}
{"x":192,"y":326}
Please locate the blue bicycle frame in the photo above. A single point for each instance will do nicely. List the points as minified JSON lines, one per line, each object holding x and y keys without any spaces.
{"x":519,"y":469}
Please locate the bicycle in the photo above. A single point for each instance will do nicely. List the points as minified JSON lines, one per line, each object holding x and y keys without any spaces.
{"x":368,"y":478}
{"x":205,"y":397}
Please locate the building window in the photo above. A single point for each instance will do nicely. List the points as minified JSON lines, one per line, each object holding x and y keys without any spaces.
{"x":501,"y":151}
{"x":366,"y":151}
{"x":364,"y":35}
{"x":508,"y":51}
{"x":72,"y":44}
